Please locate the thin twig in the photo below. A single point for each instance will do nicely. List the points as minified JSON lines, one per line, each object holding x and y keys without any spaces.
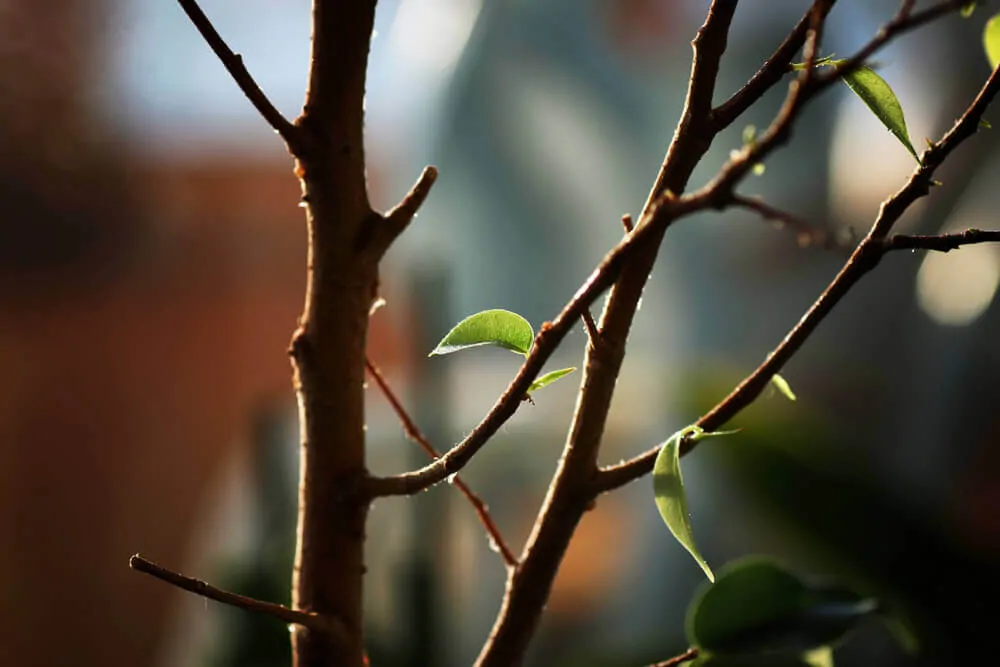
{"x":413,"y":432}
{"x":233,"y":63}
{"x":687,"y":655}
{"x":769,"y":74}
{"x":308,"y":619}
{"x":865,"y":258}
{"x":939,"y":242}
{"x":398,"y":219}
{"x":805,"y":233}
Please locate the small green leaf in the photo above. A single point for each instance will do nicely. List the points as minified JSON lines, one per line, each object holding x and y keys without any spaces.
{"x":968,"y":8}
{"x":668,"y":490}
{"x":749,"y":135}
{"x":549,"y":378}
{"x":783,"y":386}
{"x":758,"y":169}
{"x":501,"y":328}
{"x":985,"y":124}
{"x":757,"y":606}
{"x":991,"y":40}
{"x":876,"y":93}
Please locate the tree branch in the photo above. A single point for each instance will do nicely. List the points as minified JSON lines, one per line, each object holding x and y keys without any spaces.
{"x":388,"y":228}
{"x":664,"y":210}
{"x":805,"y":234}
{"x":686,"y":656}
{"x":307,"y":619}
{"x":413,"y":432}
{"x":233,"y":63}
{"x":865,"y":258}
{"x":939,"y":242}
{"x":568,"y":495}
{"x":769,"y":74}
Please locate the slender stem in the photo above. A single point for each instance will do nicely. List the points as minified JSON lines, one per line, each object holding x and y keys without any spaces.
{"x":686,"y":656}
{"x":233,"y":63}
{"x":940,"y":242}
{"x":282,"y":613}
{"x":805,"y":233}
{"x":413,"y":432}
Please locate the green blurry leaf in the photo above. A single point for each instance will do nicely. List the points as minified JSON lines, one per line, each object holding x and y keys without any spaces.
{"x":501,"y":328}
{"x":758,"y":606}
{"x":749,"y":135}
{"x":758,"y":169}
{"x":819,"y":657}
{"x":991,"y":40}
{"x":783,"y":386}
{"x":549,"y":378}
{"x":876,"y":93}
{"x":968,"y":8}
{"x":668,"y":490}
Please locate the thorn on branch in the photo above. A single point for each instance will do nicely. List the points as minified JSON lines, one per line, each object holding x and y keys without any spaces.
{"x":627,"y":223}
{"x":308,"y":619}
{"x":593,"y":333}
{"x":233,"y":63}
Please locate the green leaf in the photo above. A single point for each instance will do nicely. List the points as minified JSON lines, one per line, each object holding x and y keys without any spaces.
{"x":783,"y":386}
{"x":819,"y":657}
{"x":758,"y":606}
{"x":968,"y":8}
{"x":549,"y":378}
{"x":991,"y":40}
{"x":668,"y":490}
{"x":501,"y":328}
{"x":876,"y":93}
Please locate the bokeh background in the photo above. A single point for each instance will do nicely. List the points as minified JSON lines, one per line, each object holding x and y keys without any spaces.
{"x":151,"y":273}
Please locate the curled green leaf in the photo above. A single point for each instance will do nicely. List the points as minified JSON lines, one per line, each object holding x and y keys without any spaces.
{"x":549,"y":378}
{"x":500,"y":328}
{"x":783,"y":386}
{"x":878,"y":95}
{"x":991,"y":40}
{"x":668,"y":490}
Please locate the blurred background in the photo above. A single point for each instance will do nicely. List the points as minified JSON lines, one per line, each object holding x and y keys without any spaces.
{"x":151,"y":273}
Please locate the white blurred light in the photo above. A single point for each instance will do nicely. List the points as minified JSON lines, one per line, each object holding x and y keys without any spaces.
{"x":432,"y":33}
{"x":954,"y":289}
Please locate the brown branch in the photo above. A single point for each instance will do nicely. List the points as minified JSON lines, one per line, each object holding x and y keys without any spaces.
{"x":627,"y":223}
{"x":939,"y":242}
{"x":664,"y":210}
{"x":307,"y":619}
{"x":805,"y":233}
{"x":233,"y":63}
{"x":687,"y":655}
{"x":568,"y":496}
{"x":398,"y":219}
{"x":769,"y":74}
{"x":413,"y":432}
{"x":865,"y":258}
